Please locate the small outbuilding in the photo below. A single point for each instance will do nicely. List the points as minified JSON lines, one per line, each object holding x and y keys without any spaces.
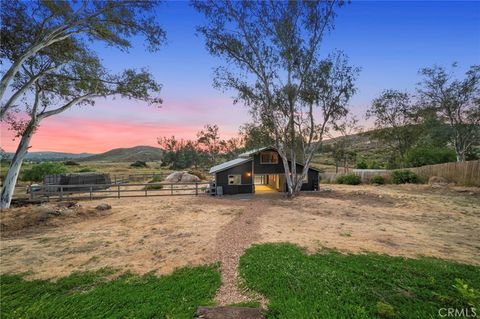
{"x":259,"y":170}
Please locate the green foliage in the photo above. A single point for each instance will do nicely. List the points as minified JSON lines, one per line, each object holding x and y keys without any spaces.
{"x":470,"y":295}
{"x":377,"y":179}
{"x":349,"y":179}
{"x":37,"y":172}
{"x":86,"y":170}
{"x":92,"y":295}
{"x":70,"y":163}
{"x":385,"y":310}
{"x":334,"y":285}
{"x":139,"y":164}
{"x":362,"y":165}
{"x":404,"y":176}
{"x":420,"y":156}
{"x":200,"y":174}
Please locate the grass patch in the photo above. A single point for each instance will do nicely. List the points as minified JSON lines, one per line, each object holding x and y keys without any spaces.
{"x":333,"y":285}
{"x":91,"y":295}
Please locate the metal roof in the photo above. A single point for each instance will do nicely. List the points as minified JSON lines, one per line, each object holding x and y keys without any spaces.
{"x":224,"y":166}
{"x":250,"y":153}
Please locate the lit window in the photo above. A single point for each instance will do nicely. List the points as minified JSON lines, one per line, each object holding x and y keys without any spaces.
{"x":269,"y":158}
{"x":234,"y":179}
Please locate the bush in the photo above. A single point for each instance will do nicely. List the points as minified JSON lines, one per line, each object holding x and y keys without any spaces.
{"x":139,"y":164}
{"x":85,"y":170}
{"x":362,"y":165}
{"x":39,"y":171}
{"x":349,"y":179}
{"x":421,"y":156}
{"x":71,"y":163}
{"x":377,"y":179}
{"x":198,"y":173}
{"x":404,"y":176}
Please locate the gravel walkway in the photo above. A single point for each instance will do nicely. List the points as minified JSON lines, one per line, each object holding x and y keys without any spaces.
{"x":231,"y":242}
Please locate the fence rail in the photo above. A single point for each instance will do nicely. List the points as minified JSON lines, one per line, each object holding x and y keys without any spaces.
{"x":95,"y":191}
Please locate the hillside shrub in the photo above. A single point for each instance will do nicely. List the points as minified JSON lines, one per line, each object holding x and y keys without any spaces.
{"x":139,"y":164}
{"x":86,"y":170}
{"x":421,"y":156}
{"x":349,"y":179}
{"x":71,"y":163}
{"x":37,"y":172}
{"x":404,"y":176}
{"x":377,"y":179}
{"x":362,"y":165}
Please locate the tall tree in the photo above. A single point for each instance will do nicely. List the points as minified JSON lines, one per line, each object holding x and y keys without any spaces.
{"x":394,"y":114}
{"x":31,"y":28}
{"x":52,"y":69}
{"x":272,"y":49}
{"x":456,"y":102}
{"x":341,"y":150}
{"x":209,"y":139}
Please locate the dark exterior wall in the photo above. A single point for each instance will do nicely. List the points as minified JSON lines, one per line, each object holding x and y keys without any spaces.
{"x":242,"y":169}
{"x":259,"y":168}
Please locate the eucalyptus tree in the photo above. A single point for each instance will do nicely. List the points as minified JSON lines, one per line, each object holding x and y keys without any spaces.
{"x":272,"y":50}
{"x":31,"y":28}
{"x":51,"y":68}
{"x":456,"y":102}
{"x":395,"y":118}
{"x":80,"y":81}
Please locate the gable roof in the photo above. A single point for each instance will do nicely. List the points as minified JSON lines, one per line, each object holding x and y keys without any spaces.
{"x":250,"y":153}
{"x":226,"y":165}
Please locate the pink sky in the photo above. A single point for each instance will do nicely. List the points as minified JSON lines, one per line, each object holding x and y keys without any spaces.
{"x":122,"y":123}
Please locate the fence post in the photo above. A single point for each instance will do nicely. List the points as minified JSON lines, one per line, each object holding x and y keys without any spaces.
{"x":118,"y":190}
{"x":145,"y":187}
{"x":91,"y":189}
{"x":196,"y":188}
{"x":171,"y":189}
{"x":61,"y":192}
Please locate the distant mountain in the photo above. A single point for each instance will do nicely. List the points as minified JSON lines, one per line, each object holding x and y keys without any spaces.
{"x":137,"y":153}
{"x":51,"y":156}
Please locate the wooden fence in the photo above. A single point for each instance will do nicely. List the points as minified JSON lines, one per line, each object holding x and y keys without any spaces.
{"x":96,"y":191}
{"x":460,"y":173}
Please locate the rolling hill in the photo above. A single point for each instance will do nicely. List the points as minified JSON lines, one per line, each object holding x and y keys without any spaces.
{"x":131,"y":154}
{"x":50,"y":156}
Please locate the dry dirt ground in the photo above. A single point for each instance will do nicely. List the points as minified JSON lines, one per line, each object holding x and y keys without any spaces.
{"x":162,"y":233}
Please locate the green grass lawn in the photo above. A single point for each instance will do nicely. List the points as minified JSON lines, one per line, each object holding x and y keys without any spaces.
{"x":332,"y":285}
{"x":91,"y":295}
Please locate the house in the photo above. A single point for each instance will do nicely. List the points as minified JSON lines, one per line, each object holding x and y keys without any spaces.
{"x":258,"y":170}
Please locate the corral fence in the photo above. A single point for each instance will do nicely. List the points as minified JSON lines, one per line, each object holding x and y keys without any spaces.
{"x":461,"y":173}
{"x":135,"y":178}
{"x":97,"y":191}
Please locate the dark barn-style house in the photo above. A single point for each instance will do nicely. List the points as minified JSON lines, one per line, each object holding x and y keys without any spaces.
{"x":258,"y":170}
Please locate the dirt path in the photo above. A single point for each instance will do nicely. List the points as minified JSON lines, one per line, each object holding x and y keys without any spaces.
{"x":231,"y":242}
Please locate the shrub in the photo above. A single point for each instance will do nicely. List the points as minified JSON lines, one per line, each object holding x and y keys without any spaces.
{"x":139,"y":164}
{"x":404,"y":176}
{"x":85,"y":170}
{"x":198,"y":173}
{"x":421,"y":156}
{"x":377,"y":179}
{"x":71,"y":163}
{"x":362,"y":165}
{"x":349,"y":179}
{"x":37,"y":172}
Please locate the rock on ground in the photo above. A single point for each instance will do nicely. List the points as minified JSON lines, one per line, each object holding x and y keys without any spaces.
{"x":183,"y":176}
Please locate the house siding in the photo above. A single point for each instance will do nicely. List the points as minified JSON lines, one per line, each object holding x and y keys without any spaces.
{"x":221,"y":179}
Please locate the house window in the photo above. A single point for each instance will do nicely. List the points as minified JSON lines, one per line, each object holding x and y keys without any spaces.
{"x":269,"y":158}
{"x":234,"y":179}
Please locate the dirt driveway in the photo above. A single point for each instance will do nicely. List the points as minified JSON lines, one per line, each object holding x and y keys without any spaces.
{"x":159,"y":234}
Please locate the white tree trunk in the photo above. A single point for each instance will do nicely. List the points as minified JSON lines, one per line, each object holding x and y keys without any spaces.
{"x":14,"y":169}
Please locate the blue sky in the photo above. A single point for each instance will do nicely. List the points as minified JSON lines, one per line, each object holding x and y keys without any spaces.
{"x":389,"y":40}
